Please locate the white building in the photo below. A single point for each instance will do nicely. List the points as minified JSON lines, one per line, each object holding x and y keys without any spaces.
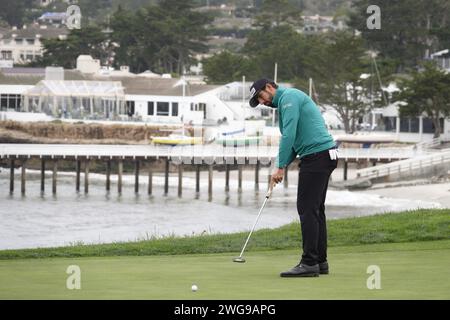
{"x":417,"y":128}
{"x":25,"y":45}
{"x":53,"y":18}
{"x":92,"y":93}
{"x":442,"y":59}
{"x":321,"y":24}
{"x":148,"y":97}
{"x":46,"y":3}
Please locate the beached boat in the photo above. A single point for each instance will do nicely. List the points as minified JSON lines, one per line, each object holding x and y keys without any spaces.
{"x":176,"y":138}
{"x":239,"y":140}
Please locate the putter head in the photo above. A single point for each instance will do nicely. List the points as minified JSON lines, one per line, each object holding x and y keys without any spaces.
{"x":239,"y":260}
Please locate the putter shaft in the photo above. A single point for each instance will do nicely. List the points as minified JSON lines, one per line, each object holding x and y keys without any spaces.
{"x":256,"y":221}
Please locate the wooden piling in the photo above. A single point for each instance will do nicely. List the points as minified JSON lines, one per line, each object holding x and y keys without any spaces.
{"x":77,"y":179}
{"x":11,"y":176}
{"x":286,"y":177}
{"x":345,"y":169}
{"x":119,"y":176}
{"x":136,"y":176}
{"x":166,"y":177}
{"x":180,"y":180}
{"x":257,"y":175}
{"x":197,"y":178}
{"x":86,"y":176}
{"x":23,"y":176}
{"x":210,"y":181}
{"x":108,"y":175}
{"x":55,"y":175}
{"x":42,"y":175}
{"x":240,"y":178}
{"x":150,"y":178}
{"x":227,"y":177}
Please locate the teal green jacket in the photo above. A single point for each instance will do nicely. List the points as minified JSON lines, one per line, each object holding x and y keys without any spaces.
{"x":302,"y":127}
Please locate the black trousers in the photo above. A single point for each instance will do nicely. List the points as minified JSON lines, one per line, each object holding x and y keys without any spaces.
{"x":314,"y":174}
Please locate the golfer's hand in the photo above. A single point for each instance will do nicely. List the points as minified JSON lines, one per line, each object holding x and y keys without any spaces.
{"x":277,"y":176}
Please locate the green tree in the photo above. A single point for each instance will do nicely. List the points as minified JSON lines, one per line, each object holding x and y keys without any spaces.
{"x":128,"y":33}
{"x":183,"y":33}
{"x":426,"y":93}
{"x":278,"y":12}
{"x":14,"y":11}
{"x":94,"y":10}
{"x":281,"y":45}
{"x":163,"y":37}
{"x":409,"y":28}
{"x":339,"y":84}
{"x":226,"y":67}
{"x":87,"y":40}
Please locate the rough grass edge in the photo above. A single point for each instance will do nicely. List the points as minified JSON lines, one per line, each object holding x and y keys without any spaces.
{"x":407,"y":226}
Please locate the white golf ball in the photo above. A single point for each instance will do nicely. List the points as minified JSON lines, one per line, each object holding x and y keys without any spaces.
{"x":194,"y":288}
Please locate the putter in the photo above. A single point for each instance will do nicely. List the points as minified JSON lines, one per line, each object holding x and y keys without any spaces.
{"x":241,"y":259}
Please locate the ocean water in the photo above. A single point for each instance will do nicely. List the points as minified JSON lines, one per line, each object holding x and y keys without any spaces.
{"x":67,"y":218}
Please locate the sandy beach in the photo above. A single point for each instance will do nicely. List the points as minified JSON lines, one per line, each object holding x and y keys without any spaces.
{"x":435,"y":192}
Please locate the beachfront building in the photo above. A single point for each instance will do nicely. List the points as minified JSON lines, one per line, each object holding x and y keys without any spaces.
{"x":76,"y":99}
{"x":91,"y":92}
{"x":413,"y":129}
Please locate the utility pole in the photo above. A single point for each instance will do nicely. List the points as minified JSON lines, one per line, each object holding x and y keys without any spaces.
{"x":310,"y":87}
{"x":275,"y":80}
{"x":243,"y":92}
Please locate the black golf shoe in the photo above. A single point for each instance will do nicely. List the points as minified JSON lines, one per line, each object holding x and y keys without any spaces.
{"x":302,"y":270}
{"x":323,"y":267}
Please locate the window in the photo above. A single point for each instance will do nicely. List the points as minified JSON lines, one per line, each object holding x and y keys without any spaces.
{"x":10,"y":101}
{"x":409,"y":124}
{"x":3,"y":102}
{"x":265,"y":112}
{"x":162,"y":109}
{"x":6,"y":55}
{"x":198,"y":106}
{"x":130,"y":108}
{"x":30,"y":41}
{"x":174,"y":109}
{"x":150,"y":108}
{"x":390,"y":123}
{"x":14,"y":101}
{"x":428,"y":126}
{"x":85,"y":105}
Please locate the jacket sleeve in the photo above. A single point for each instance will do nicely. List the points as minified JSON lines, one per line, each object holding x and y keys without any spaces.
{"x":290,"y":112}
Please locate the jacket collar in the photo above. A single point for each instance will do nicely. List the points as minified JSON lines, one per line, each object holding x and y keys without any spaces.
{"x":278,"y":94}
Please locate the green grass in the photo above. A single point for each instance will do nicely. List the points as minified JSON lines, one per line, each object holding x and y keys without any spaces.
{"x":411,"y":226}
{"x":415,"y":270}
{"x":412,"y":250}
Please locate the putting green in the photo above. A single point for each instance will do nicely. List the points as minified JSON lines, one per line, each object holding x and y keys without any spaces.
{"x":417,"y":270}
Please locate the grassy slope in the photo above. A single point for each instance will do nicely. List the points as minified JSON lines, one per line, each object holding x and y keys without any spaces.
{"x":420,"y":225}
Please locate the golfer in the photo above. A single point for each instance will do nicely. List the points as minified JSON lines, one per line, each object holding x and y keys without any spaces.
{"x":303,"y":134}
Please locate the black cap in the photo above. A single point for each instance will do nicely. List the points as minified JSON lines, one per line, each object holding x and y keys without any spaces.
{"x":256,"y":87}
